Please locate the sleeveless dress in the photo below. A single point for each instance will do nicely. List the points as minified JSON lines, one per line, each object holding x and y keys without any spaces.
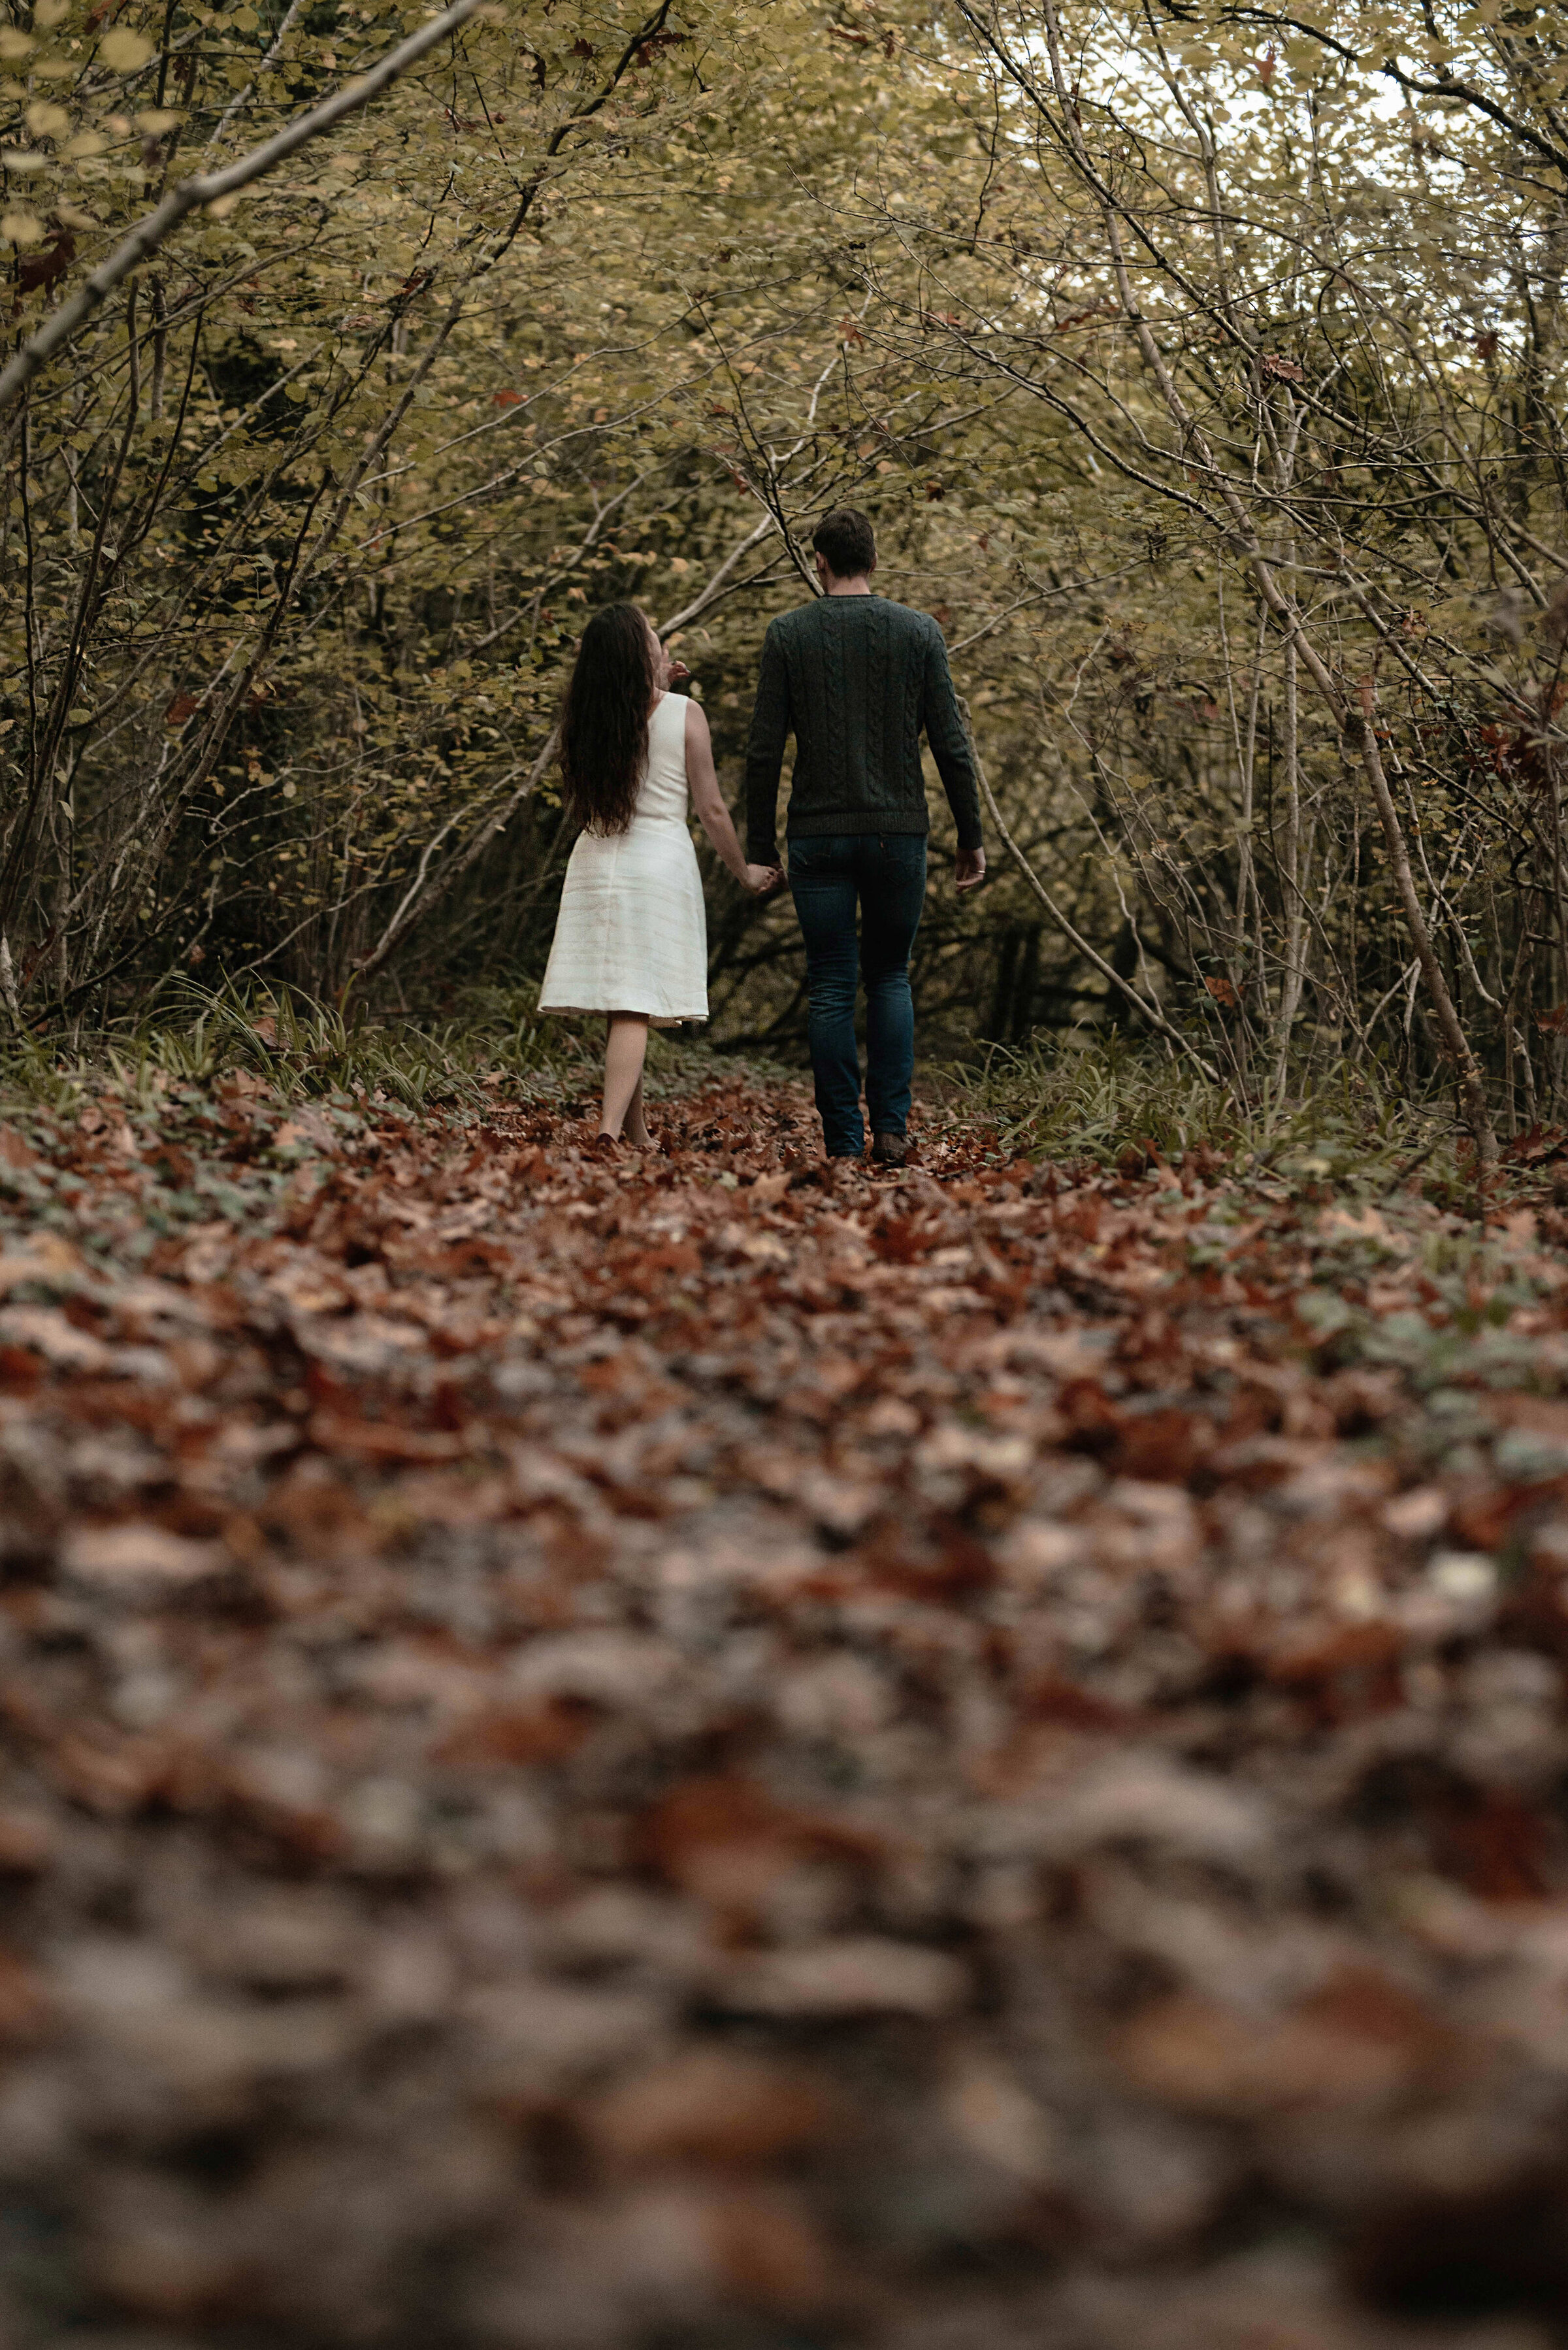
{"x":632,"y":931}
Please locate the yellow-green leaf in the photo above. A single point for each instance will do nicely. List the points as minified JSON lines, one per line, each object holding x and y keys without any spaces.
{"x":124,"y":50}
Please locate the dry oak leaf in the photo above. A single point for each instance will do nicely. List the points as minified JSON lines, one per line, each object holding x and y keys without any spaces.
{"x":1143,"y":1799}
{"x":112,"y":1778}
{"x":375,"y":1439}
{"x":508,"y":1735}
{"x":120,"y":1557}
{"x":767,"y":2251}
{"x":709,"y":2104}
{"x":27,"y":1842}
{"x":999,"y":2120}
{"x":726,"y":1840}
{"x":213,"y":2058}
{"x":24,"y":2002}
{"x":1360,"y":2039}
{"x":536,"y":2039}
{"x":47,"y":1258}
{"x":853,"y":1975}
{"x":45,"y":1330}
{"x":158,"y":2250}
{"x":309,"y":1125}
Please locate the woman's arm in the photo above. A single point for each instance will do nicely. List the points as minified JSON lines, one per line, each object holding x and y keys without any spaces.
{"x":714,"y":817}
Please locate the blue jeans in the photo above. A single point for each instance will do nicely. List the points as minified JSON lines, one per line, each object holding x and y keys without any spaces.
{"x":886,"y":873}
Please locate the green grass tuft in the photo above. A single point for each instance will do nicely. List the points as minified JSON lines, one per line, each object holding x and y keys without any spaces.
{"x":1105,"y":1096}
{"x":301,"y":1049}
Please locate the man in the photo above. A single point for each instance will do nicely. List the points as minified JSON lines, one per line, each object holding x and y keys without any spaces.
{"x":857,"y":678}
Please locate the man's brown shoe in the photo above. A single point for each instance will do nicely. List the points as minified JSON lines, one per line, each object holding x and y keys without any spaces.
{"x":888,"y":1150}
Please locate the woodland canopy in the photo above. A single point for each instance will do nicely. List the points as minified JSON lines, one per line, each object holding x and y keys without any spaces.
{"x":1202,"y":366}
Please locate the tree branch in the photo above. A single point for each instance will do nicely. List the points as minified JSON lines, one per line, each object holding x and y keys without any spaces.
{"x":212,"y":187}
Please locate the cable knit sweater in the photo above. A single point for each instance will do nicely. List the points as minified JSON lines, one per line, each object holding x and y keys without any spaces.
{"x":856,"y":679}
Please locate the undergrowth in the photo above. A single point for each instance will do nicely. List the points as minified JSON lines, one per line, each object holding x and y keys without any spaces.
{"x":492,"y":1047}
{"x":1104,"y":1098}
{"x":1118,"y":1102}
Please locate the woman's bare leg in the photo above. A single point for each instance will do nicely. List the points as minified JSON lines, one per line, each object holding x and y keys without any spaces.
{"x":634,"y":1128}
{"x":626,"y":1049}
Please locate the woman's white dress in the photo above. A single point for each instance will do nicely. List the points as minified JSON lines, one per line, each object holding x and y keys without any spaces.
{"x":632,"y":931}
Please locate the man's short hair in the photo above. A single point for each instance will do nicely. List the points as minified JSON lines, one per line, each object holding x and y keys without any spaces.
{"x":845,"y":542}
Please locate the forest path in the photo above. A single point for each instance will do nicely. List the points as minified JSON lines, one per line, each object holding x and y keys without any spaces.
{"x":693,"y":1743}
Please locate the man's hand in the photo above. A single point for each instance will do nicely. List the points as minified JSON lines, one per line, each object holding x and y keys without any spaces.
{"x":968,"y":870}
{"x":762,"y":880}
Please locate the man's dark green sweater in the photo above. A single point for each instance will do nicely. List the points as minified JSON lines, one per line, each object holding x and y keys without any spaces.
{"x":857,"y":678}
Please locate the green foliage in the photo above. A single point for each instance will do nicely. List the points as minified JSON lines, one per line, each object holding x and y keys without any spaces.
{"x":1109,"y":1098}
{"x":302,"y":1050}
{"x":1095,"y":1098}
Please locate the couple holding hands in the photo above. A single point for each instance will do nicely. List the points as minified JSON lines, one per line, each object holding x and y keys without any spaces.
{"x":857,"y":678}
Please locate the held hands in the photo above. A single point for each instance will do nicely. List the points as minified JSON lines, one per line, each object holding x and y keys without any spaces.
{"x":762,"y":880}
{"x":968,"y":870}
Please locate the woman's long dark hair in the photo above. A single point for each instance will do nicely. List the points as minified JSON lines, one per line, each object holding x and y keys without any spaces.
{"x":603,"y":720}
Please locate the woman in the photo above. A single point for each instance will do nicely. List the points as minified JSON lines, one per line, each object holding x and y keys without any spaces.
{"x":631,"y":936}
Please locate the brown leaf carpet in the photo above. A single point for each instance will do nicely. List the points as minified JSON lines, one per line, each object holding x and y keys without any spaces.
{"x":681,"y":1753}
